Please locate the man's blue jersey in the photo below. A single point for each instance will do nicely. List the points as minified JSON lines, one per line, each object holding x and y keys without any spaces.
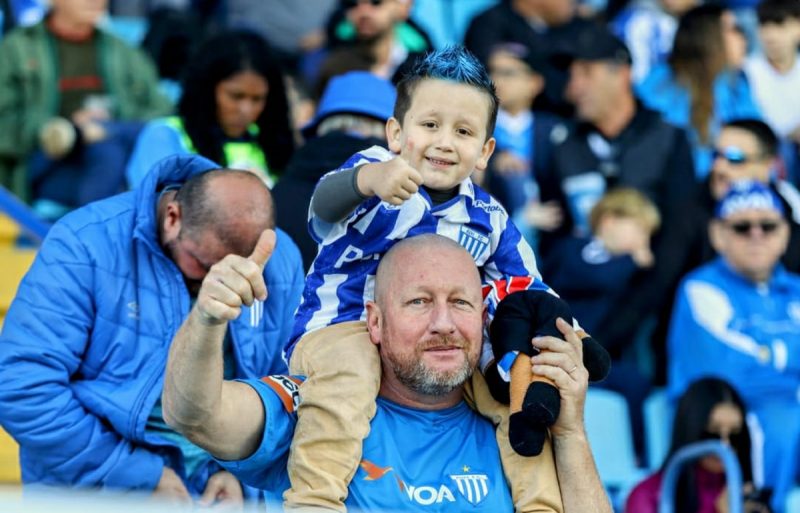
{"x":341,"y":279}
{"x":413,"y":460}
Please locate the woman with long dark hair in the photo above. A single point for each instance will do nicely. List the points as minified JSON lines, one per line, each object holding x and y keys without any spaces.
{"x":710,"y":409}
{"x":702,"y":85}
{"x":233,"y":110}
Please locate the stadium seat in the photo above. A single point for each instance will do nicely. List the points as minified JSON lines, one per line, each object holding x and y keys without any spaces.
{"x":658,"y":413}
{"x":793,"y":500}
{"x":609,"y":430}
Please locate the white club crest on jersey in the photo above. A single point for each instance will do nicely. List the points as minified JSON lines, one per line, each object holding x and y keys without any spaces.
{"x":473,"y":487}
{"x":474,"y":242}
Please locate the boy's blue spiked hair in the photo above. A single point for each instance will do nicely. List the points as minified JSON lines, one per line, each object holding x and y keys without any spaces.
{"x":455,"y":64}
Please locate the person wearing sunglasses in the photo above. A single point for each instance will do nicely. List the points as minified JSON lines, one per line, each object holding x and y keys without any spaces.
{"x":382,"y":30}
{"x":710,"y":409}
{"x":738,"y":318}
{"x":746,"y":149}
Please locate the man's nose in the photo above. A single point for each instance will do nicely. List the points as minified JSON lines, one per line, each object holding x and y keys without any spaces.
{"x":442,"y":319}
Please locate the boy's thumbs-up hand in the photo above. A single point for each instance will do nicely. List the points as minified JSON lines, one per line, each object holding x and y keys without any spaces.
{"x":393,"y":181}
{"x":235,"y":281}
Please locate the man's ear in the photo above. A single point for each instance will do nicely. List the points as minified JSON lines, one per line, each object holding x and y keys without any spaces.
{"x":374,"y":322}
{"x":172,"y":220}
{"x":394,"y":133}
{"x":486,"y":154}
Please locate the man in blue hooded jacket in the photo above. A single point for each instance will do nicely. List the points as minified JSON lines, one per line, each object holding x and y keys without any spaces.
{"x":85,"y":342}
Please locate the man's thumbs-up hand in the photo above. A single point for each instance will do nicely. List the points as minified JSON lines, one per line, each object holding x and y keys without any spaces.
{"x":235,"y":281}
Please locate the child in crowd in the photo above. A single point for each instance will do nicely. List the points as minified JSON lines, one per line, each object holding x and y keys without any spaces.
{"x":591,"y":272}
{"x":523,"y":139}
{"x":439,"y":135}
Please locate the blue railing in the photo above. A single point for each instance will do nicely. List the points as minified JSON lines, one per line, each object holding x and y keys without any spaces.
{"x":31,"y":224}
{"x":689,"y":454}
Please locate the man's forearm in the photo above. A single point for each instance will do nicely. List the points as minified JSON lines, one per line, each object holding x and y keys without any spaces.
{"x":193,"y":382}
{"x":581,"y":488}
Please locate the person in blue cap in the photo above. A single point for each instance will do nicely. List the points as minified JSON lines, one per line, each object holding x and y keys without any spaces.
{"x":738,"y":318}
{"x":85,"y":342}
{"x":351,"y":116}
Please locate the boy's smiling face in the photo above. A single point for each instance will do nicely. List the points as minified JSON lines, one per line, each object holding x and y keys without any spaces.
{"x":443,"y":134}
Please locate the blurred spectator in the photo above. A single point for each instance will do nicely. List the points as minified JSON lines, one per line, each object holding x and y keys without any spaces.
{"x":593,"y":274}
{"x":381,"y":28}
{"x":72,"y":99}
{"x":352,"y":114}
{"x":774,"y":73}
{"x":522,"y":139}
{"x":293,"y":28}
{"x":233,"y":110}
{"x":710,"y":409}
{"x":738,"y":318}
{"x":85,"y":342}
{"x":617,"y":142}
{"x":775,"y":76}
{"x":170,"y":40}
{"x":702,"y":85}
{"x":543,"y":26}
{"x":648,"y":28}
{"x":523,"y":145}
{"x":746,"y":149}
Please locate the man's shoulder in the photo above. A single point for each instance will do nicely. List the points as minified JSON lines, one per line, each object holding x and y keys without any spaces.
{"x":106,"y":215}
{"x":23,"y":39}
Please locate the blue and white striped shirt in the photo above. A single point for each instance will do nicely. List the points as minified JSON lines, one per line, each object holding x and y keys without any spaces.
{"x":341,"y":279}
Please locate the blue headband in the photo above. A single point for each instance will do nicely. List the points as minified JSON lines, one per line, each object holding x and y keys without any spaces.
{"x":748,"y":195}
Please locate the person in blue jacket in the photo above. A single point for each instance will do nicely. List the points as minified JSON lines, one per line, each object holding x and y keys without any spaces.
{"x":85,"y":341}
{"x":426,"y":450}
{"x":738,"y":318}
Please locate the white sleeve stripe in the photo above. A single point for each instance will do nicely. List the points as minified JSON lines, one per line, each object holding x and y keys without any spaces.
{"x":756,"y":449}
{"x":712,"y":311}
{"x":780,"y":354}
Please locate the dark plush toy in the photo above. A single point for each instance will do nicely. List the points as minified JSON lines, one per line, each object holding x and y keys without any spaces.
{"x":534,"y":402}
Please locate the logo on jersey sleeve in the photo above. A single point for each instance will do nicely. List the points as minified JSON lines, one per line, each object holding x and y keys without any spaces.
{"x":287,"y":388}
{"x":473,"y":241}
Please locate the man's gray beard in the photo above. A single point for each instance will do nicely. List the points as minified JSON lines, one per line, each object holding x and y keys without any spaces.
{"x":422,"y":380}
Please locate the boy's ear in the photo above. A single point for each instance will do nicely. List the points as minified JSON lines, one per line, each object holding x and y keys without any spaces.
{"x":394,"y":132}
{"x":486,"y":154}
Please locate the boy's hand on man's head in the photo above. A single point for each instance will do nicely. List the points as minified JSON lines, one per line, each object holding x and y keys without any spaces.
{"x":393,"y":181}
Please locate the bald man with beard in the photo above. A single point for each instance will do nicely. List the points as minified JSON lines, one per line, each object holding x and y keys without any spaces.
{"x":427,"y":321}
